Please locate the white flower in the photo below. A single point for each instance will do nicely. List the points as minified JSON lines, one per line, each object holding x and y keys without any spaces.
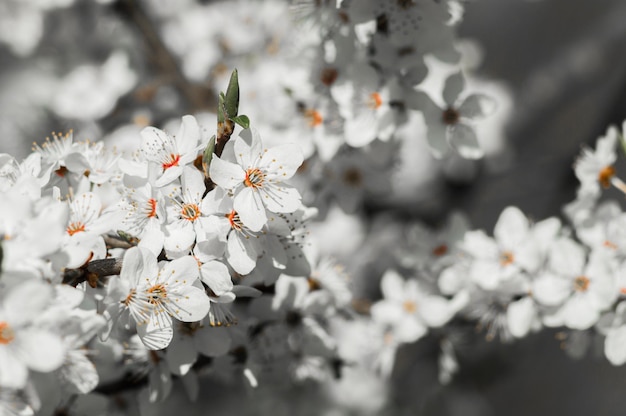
{"x":594,"y":169}
{"x":91,"y":91}
{"x":409,"y":310}
{"x":256,"y":180}
{"x":615,"y":341}
{"x":580,"y":289}
{"x":23,"y":344}
{"x":516,"y":247}
{"x":172,"y":154}
{"x":451,"y":126}
{"x":153,"y":295}
{"x":364,"y":106}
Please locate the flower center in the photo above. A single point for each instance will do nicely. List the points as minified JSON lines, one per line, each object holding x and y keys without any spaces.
{"x":313,"y":117}
{"x":171,"y":160}
{"x":130,"y":297}
{"x":409,"y":306}
{"x":152,"y":203}
{"x":353,"y":177}
{"x":6,"y":333}
{"x":75,"y":227}
{"x":374,"y":101}
{"x":156,"y":294}
{"x":61,"y":172}
{"x":581,"y":284}
{"x":450,"y":116}
{"x":440,"y":250}
{"x":314,"y":284}
{"x":190,"y":212}
{"x":254,"y":178}
{"x":234,"y":220}
{"x":329,"y":76}
{"x":605,"y":175}
{"x":610,"y":244}
{"x":506,"y":258}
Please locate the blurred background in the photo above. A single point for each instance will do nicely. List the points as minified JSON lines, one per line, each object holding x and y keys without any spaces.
{"x":108,"y":68}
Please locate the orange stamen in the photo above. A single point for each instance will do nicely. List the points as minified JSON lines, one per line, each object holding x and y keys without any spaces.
{"x":6,"y":333}
{"x":152,"y":203}
{"x":173,"y":161}
{"x":375,"y":101}
{"x":605,"y":175}
{"x":254,"y":178}
{"x":190,"y":212}
{"x":581,"y":284}
{"x":314,"y":117}
{"x":506,"y":258}
{"x":75,"y":227}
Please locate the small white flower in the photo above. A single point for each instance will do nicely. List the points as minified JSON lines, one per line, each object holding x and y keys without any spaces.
{"x":451,"y":126}
{"x":256,"y":180}
{"x":594,"y":169}
{"x":171,"y":154}
{"x":409,"y":310}
{"x":21,"y":339}
{"x":580,"y":289}
{"x":153,"y":295}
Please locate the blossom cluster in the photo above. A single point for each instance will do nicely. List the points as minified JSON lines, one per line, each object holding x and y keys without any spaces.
{"x":176,"y":257}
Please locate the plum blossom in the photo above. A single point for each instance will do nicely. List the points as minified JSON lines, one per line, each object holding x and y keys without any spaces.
{"x":171,"y":154}
{"x":21,"y":338}
{"x":409,"y":310}
{"x":153,"y":294}
{"x":451,"y":126}
{"x":256,"y":179}
{"x":580,"y":289}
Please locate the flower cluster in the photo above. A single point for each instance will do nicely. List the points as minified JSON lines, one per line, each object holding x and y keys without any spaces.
{"x":177,"y":257}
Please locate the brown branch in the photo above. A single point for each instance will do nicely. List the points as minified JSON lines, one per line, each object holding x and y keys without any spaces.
{"x":93,"y":272}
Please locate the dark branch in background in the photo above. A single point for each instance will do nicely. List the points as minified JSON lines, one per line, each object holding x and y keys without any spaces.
{"x":198,"y":96}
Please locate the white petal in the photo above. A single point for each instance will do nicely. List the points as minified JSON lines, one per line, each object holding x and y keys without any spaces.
{"x":567,"y":257}
{"x":13,"y":372}
{"x":477,"y":106}
{"x":226,"y":174}
{"x":250,"y":208}
{"x":579,"y":313}
{"x":462,"y":138}
{"x":435,"y":311}
{"x":241,"y":253}
{"x":551,"y":290}
{"x":79,"y":373}
{"x":410,"y":329}
{"x":26,"y":302}
{"x":486,"y":274}
{"x":282,"y":161}
{"x":181,"y":355}
{"x":215,"y":275}
{"x":453,"y":87}
{"x":139,"y":264}
{"x":615,"y":345}
{"x":281,"y":198}
{"x":154,"y":144}
{"x":520,"y":316}
{"x":512,"y":228}
{"x":393,"y":286}
{"x":188,"y":304}
{"x":155,"y":338}
{"x":39,"y":350}
{"x":188,"y":135}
